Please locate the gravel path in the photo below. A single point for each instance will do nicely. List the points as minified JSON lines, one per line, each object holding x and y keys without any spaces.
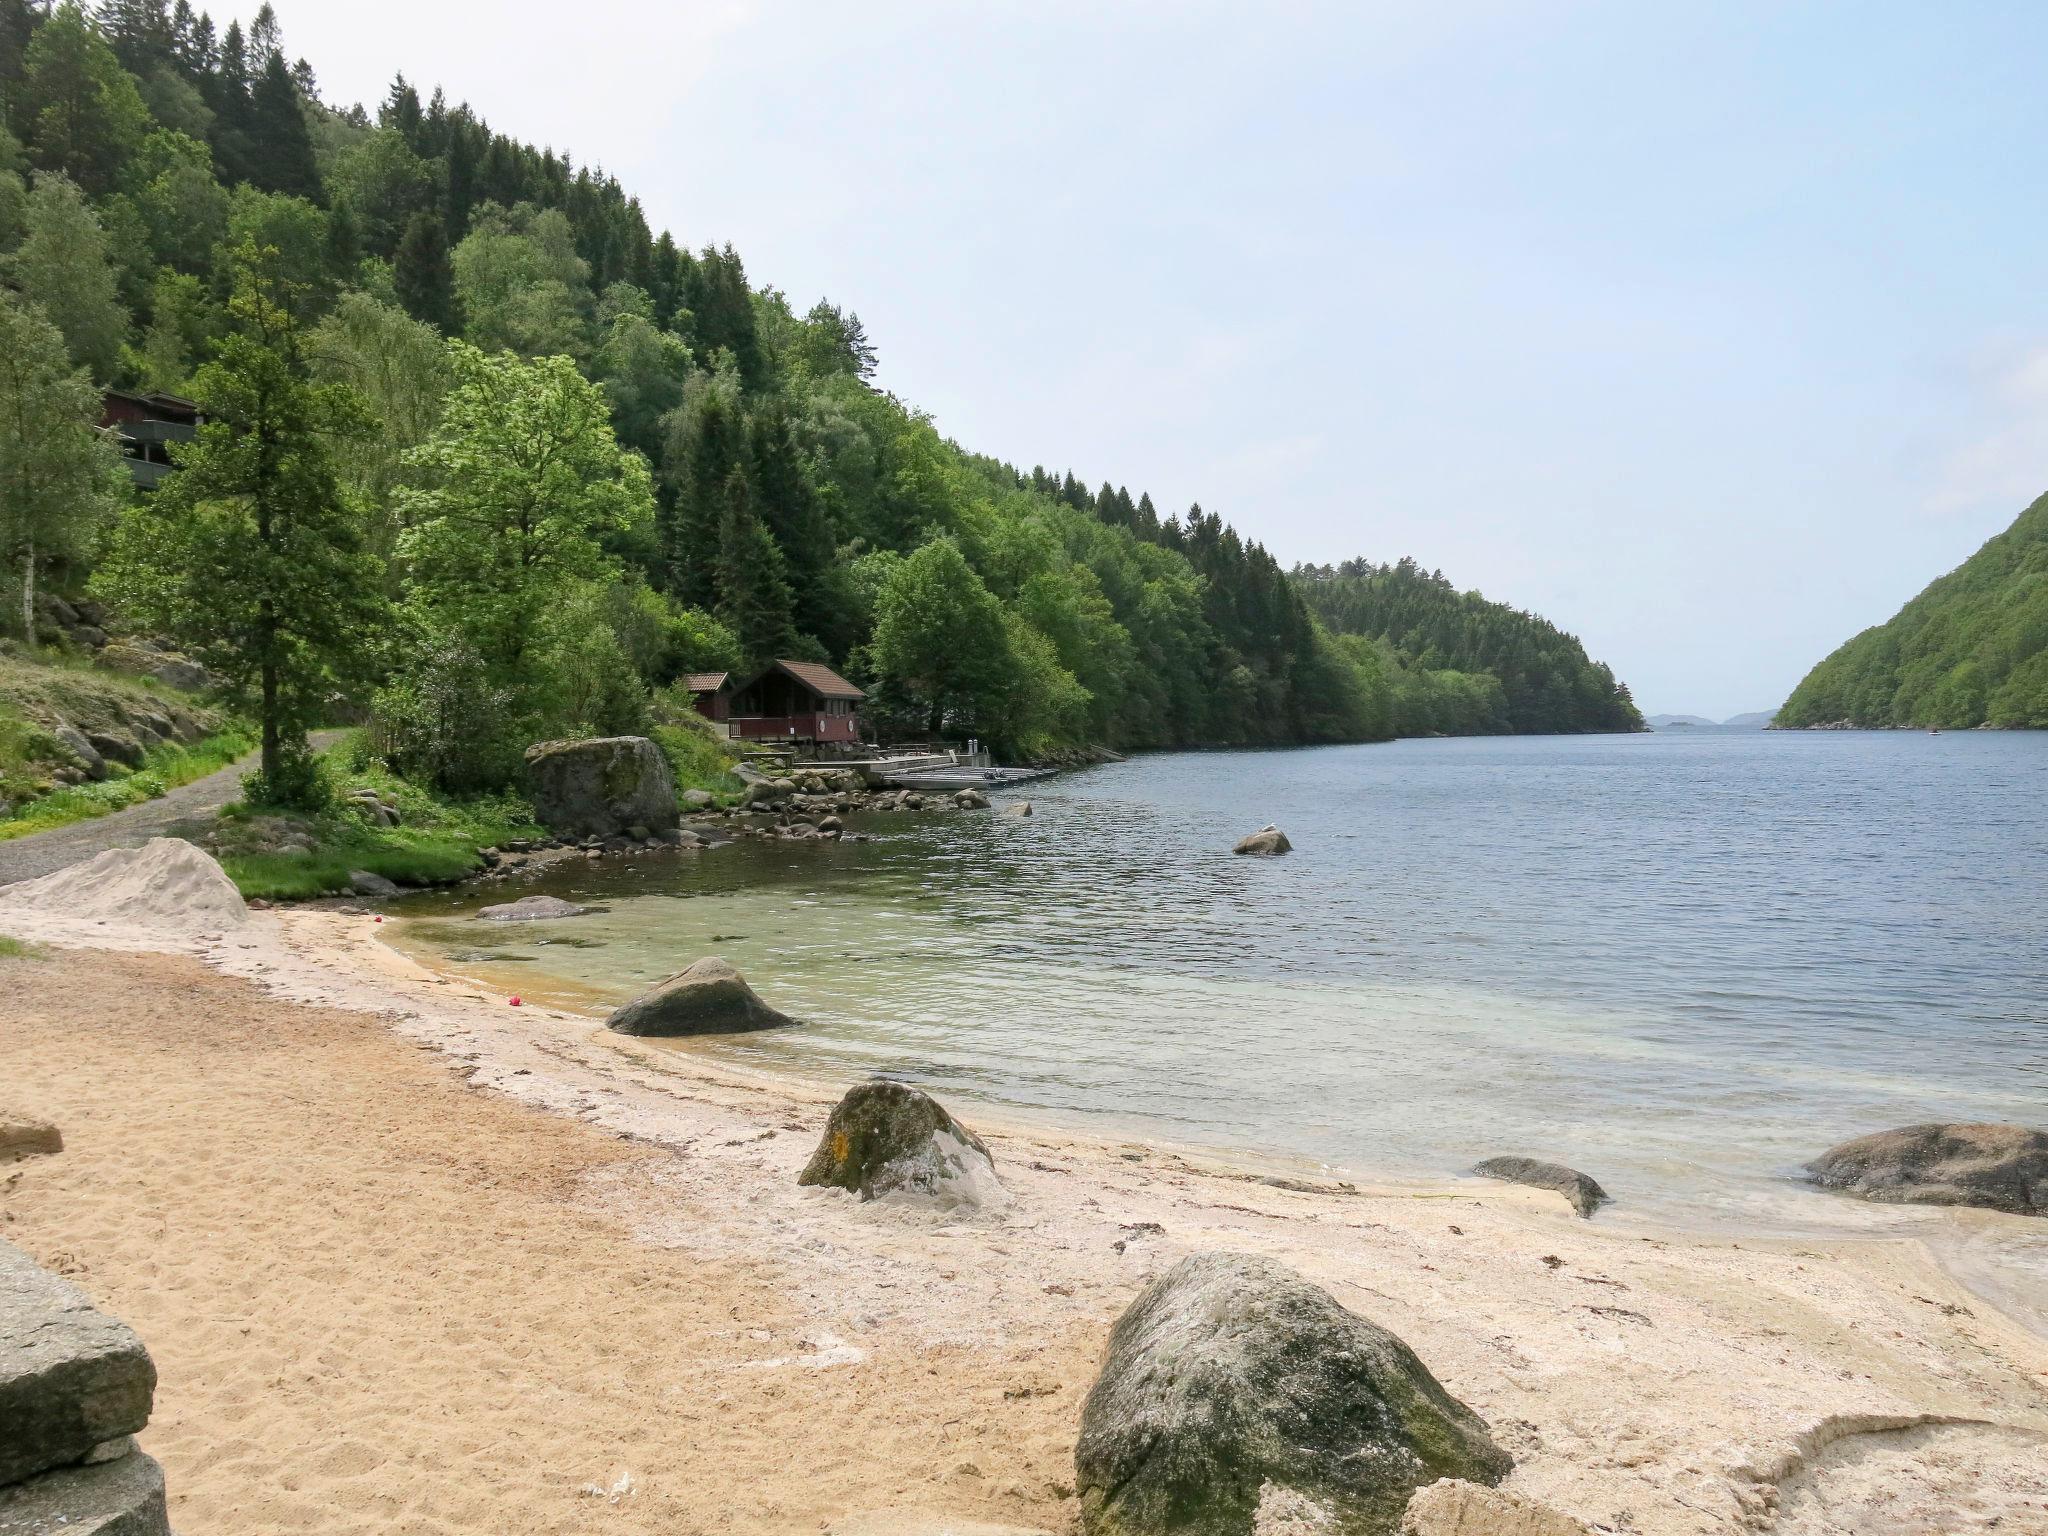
{"x":43,"y":853}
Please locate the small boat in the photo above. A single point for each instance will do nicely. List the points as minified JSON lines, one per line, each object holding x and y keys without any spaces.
{"x":1934,"y":730}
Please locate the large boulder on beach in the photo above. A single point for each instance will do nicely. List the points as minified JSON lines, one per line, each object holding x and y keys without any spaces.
{"x":888,"y":1138}
{"x":531,"y":909}
{"x":123,"y":1496}
{"x":71,"y":1377}
{"x":1232,"y":1381}
{"x":2000,"y":1167}
{"x":710,"y":998}
{"x":1585,"y":1196}
{"x":602,"y":786}
{"x":1267,"y":841}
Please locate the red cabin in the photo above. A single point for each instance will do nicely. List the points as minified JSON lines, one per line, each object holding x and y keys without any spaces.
{"x":793,"y":701}
{"x":711,"y":692}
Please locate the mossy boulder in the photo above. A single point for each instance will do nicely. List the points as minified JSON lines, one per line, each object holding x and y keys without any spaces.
{"x":602,"y":786}
{"x":1233,"y":1381}
{"x":887,"y":1138}
{"x":710,"y":998}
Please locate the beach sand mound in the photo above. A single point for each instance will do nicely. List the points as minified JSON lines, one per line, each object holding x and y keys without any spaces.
{"x":166,"y":885}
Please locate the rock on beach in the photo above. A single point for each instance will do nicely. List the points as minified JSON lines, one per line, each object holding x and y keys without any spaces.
{"x":1232,"y":1382}
{"x":1998,"y":1167}
{"x":1584,"y":1194}
{"x":26,"y":1136}
{"x":710,"y":998}
{"x":600,"y":787}
{"x":887,"y":1138}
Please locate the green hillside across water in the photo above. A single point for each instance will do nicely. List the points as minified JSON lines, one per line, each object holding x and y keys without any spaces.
{"x":1972,"y":649}
{"x":1457,"y":664}
{"x":546,"y":460}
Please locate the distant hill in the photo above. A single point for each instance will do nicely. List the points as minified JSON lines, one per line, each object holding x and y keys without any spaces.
{"x":1666,"y":722}
{"x":1970,"y":650}
{"x":1755,"y":720}
{"x":1460,"y":664}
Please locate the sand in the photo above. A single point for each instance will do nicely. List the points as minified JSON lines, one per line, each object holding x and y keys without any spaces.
{"x":166,"y":888}
{"x":412,"y":1260}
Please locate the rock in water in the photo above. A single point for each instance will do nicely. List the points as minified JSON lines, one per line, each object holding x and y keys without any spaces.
{"x":1269,"y":839}
{"x":887,"y":1138}
{"x":1585,"y":1195}
{"x":71,"y":1377}
{"x":710,"y":998}
{"x":26,"y":1136}
{"x":600,"y":787}
{"x":368,"y":883}
{"x":1017,"y":808}
{"x":2000,"y":1167}
{"x":531,"y":909}
{"x":1231,"y":1379}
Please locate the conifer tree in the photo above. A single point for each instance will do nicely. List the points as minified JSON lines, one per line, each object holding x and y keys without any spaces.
{"x":422,"y":274}
{"x":251,"y":556}
{"x":79,"y":110}
{"x":281,"y":148}
{"x":753,"y":597}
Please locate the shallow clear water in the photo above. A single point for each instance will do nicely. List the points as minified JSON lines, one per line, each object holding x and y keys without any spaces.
{"x":1685,"y":964}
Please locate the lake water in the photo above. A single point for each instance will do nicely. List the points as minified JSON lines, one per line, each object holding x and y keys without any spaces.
{"x":1684,"y":963}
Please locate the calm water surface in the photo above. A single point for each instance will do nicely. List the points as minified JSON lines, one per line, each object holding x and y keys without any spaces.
{"x":1684,"y":963}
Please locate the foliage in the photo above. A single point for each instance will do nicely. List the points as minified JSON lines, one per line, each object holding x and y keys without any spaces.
{"x":1461,"y":665}
{"x":753,"y":493}
{"x":252,"y":556}
{"x":699,"y":757}
{"x":164,"y":767}
{"x":61,"y":266}
{"x":1972,"y":649}
{"x":59,"y":478}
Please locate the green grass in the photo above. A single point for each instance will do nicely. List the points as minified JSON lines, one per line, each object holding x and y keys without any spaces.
{"x":701,"y":758}
{"x":164,"y":767}
{"x":14,"y":949}
{"x":439,"y":839}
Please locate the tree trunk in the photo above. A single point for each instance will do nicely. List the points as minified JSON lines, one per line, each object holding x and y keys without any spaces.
{"x":28,"y":595}
{"x":271,"y":740}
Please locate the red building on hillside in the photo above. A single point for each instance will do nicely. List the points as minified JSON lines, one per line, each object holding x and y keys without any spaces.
{"x":792,"y":701}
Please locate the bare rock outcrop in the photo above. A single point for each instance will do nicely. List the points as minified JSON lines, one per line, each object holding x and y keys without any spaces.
{"x":1454,"y":1508}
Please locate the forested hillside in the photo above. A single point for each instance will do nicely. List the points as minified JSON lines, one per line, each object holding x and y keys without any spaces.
{"x":490,"y":455}
{"x":1970,"y":650}
{"x":1458,"y":664}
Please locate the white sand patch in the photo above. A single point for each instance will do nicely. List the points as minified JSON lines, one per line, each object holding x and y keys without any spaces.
{"x":166,"y":886}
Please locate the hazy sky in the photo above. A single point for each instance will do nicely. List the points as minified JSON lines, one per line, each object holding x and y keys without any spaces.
{"x":1711,"y":332}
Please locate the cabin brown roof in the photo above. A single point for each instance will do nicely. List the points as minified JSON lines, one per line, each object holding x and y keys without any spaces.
{"x":821,"y":679}
{"x":705,"y":682}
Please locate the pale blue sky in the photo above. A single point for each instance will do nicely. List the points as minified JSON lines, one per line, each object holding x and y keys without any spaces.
{"x":1711,"y":332}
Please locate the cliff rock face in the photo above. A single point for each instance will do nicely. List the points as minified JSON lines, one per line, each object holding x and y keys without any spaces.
{"x":1232,"y":1382}
{"x":600,"y":787}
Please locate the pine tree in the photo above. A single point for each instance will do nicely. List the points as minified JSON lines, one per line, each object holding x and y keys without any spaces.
{"x":281,"y":154}
{"x":753,"y":596}
{"x":712,"y":442}
{"x":421,"y":272}
{"x":251,"y":556}
{"x":788,"y":504}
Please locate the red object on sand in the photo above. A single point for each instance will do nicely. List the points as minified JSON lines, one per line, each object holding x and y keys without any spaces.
{"x":515,"y":1002}
{"x":380,"y":919}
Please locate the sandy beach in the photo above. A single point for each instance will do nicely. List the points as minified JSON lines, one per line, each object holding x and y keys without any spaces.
{"x":412,"y":1260}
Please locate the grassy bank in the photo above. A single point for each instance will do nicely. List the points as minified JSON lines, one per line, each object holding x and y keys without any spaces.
{"x":699,"y":756}
{"x":439,"y":838}
{"x":164,"y":767}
